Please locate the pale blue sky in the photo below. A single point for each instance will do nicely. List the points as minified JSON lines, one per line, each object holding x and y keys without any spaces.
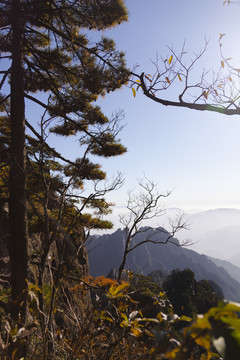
{"x":195,"y":154}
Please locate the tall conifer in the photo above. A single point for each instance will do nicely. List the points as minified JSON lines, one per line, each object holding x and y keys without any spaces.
{"x":45,"y":48}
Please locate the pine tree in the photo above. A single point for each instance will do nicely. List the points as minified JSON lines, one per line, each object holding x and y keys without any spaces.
{"x":48,"y":51}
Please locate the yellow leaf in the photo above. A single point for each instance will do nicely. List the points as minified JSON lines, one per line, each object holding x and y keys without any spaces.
{"x":230,"y":79}
{"x":221,"y":35}
{"x":124,"y":317}
{"x":172,"y":354}
{"x":222,"y":64}
{"x":115,"y":290}
{"x":170,"y":59}
{"x":136,"y":332}
{"x":168,"y":80}
{"x":134,"y":92}
{"x":237,"y":70}
{"x":124,"y":285}
{"x":138,"y":81}
{"x":160,"y":317}
{"x":179,"y":77}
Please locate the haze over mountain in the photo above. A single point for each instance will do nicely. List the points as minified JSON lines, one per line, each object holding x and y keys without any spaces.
{"x":215,"y":233}
{"x":105,"y":254}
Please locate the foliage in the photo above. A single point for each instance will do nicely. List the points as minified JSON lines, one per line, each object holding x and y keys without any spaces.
{"x":180,"y":287}
{"x":220,"y":326}
{"x":207,"y":295}
{"x":121,"y":327}
{"x":188,"y":296}
{"x":49,"y":61}
{"x":158,"y":276}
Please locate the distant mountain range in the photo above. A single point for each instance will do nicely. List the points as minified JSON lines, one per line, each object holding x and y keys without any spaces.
{"x":105,"y":254}
{"x":215,"y":233}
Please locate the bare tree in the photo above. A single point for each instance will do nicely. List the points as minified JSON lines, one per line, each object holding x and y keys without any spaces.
{"x":143,"y":207}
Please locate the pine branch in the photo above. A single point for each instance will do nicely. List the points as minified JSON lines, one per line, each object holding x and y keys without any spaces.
{"x":57,"y":154}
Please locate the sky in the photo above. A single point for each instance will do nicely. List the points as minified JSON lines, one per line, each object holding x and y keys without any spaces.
{"x":193,"y":154}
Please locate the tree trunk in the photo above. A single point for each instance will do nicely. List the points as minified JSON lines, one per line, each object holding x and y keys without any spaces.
{"x":18,"y":244}
{"x":125,"y":254}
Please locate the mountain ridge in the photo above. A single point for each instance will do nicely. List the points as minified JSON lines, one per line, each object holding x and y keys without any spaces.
{"x":105,"y":254}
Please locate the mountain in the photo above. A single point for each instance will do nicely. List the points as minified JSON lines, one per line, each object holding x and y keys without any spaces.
{"x":215,"y":233}
{"x":105,"y":254}
{"x":233,"y":270}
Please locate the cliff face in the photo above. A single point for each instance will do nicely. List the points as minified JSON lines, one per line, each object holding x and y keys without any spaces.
{"x":75,"y":254}
{"x":105,"y":253}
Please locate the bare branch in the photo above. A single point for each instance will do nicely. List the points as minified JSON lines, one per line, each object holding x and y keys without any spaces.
{"x":143,"y":207}
{"x":219,"y":94}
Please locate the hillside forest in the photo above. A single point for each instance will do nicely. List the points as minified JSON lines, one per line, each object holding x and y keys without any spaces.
{"x":50,"y":305}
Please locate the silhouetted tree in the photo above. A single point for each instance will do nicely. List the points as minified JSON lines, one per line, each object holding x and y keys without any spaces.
{"x":208,"y":294}
{"x":180,"y":287}
{"x":188,"y":296}
{"x":46,"y":51}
